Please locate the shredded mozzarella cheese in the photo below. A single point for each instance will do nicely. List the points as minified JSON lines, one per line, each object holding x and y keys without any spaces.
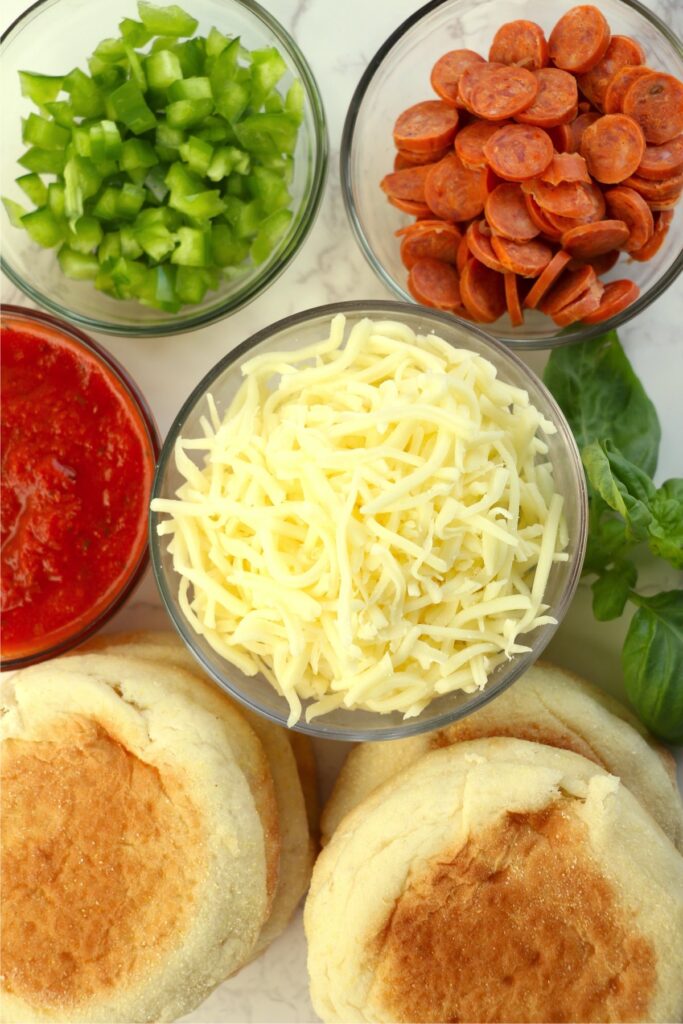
{"x":370,"y":524}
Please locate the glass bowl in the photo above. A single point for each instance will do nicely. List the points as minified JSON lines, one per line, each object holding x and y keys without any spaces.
{"x":304,"y":329}
{"x":42,"y":323}
{"x":54,"y":36}
{"x":398,"y":76}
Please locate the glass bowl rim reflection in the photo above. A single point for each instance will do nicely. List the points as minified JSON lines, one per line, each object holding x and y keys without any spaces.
{"x":568,"y":336}
{"x":167,"y":582}
{"x":111,"y":367}
{"x":185,"y":320}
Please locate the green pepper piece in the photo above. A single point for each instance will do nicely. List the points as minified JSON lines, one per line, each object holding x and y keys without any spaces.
{"x":166,"y":21}
{"x":62,"y":112}
{"x":137,"y":73}
{"x":228,"y":159}
{"x":85,"y":235}
{"x":43,"y":161}
{"x":108,"y":78}
{"x":162,"y":69}
{"x":236,"y":185}
{"x":194,"y":248}
{"x":128,"y":105}
{"x":224,"y":67}
{"x":40,"y":89}
{"x":269,"y":133}
{"x":106,"y":207}
{"x":156,"y":240}
{"x":15,"y":211}
{"x":201,"y":206}
{"x":55,"y":198}
{"x":216,"y":42}
{"x":134,"y":32}
{"x":73,"y":195}
{"x":130,"y":244}
{"x":137,"y":153}
{"x":271,"y":231}
{"x":226,"y":249}
{"x":192,"y":284}
{"x":192,"y":57}
{"x":86,"y":98}
{"x":294,"y":101}
{"x":105,"y":141}
{"x":245,"y":218}
{"x":197,"y":154}
{"x":191,"y":89}
{"x":232,"y":100}
{"x":80,"y":138}
{"x":44,"y":228}
{"x":37,"y":131}
{"x":169,"y":138}
{"x":164,"y":287}
{"x":130,"y":200}
{"x":185,"y":113}
{"x":268,"y":187}
{"x":110,"y":50}
{"x":155,"y":183}
{"x":267,"y":70}
{"x":109,"y":248}
{"x":34,"y":187}
{"x":77,"y":265}
{"x":215,"y":129}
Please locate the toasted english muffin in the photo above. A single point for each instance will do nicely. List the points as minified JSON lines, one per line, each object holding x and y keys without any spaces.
{"x":291,"y":767}
{"x":497,"y":880}
{"x":547,"y":705}
{"x":139,"y":834}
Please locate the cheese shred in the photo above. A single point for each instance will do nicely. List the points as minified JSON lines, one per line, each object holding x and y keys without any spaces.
{"x":371,"y":524}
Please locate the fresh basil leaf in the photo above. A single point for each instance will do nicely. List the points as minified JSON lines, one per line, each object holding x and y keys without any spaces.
{"x":611,"y":590}
{"x":652,"y":660}
{"x":666,"y":528}
{"x":601,"y":396}
{"x":622,"y":485}
{"x":606,"y":537}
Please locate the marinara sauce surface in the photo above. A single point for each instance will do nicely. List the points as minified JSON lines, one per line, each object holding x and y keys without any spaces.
{"x":77,"y":467}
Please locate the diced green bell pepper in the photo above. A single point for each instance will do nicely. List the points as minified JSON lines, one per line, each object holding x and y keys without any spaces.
{"x":85,"y":235}
{"x":201,"y":206}
{"x":109,"y":248}
{"x":232,"y":101}
{"x":86,"y":98}
{"x":130,"y":244}
{"x":105,"y":141}
{"x":191,"y":89}
{"x":44,"y":228}
{"x":55,"y":198}
{"x":34,"y":187}
{"x":194,"y":247}
{"x":137,"y":153}
{"x":271,"y":231}
{"x":43,"y":161}
{"x":186,"y":113}
{"x":267,"y":70}
{"x":37,"y":131}
{"x":228,"y":159}
{"x":78,"y":266}
{"x":62,"y":111}
{"x":40,"y":89}
{"x":128,"y":105}
{"x":226,"y":249}
{"x":162,"y":69}
{"x":197,"y":154}
{"x":166,"y":21}
{"x":15,"y":211}
{"x":134,"y":32}
{"x":156,"y":240}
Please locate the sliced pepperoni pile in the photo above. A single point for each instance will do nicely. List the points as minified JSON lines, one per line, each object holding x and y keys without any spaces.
{"x":535,"y":169}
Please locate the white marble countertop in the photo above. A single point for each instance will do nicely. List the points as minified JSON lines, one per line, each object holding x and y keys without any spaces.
{"x":339,"y":41}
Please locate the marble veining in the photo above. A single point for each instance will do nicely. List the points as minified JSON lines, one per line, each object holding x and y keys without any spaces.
{"x":339,"y":41}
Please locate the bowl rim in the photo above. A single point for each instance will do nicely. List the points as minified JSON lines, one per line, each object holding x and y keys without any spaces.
{"x":179,"y":323}
{"x":113,"y":368}
{"x":519,"y":664}
{"x":568,"y":335}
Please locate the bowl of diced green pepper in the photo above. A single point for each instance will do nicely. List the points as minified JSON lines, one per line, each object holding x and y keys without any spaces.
{"x":161,"y":165}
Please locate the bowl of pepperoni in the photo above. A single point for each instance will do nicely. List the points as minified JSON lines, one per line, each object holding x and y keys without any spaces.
{"x":519,"y":164}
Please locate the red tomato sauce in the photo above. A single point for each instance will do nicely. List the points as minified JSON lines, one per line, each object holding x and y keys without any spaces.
{"x":77,"y":466}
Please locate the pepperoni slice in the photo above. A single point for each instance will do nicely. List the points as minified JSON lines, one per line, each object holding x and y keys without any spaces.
{"x":666,"y":188}
{"x":471,"y":77}
{"x":522,"y":43}
{"x":404,"y":158}
{"x":662,"y":224}
{"x":662,"y":161}
{"x":574,"y":199}
{"x":414,"y":208}
{"x":482,"y":291}
{"x":447,"y":71}
{"x":577,"y":127}
{"x":565,"y":167}
{"x":663,"y":204}
{"x":453,"y":192}
{"x":528,"y":259}
{"x":426,"y":127}
{"x":616,"y":296}
{"x":568,"y":289}
{"x":601,"y":264}
{"x":586,"y":304}
{"x":517,"y":151}
{"x":613,"y":146}
{"x":547,"y":279}
{"x":507,"y":213}
{"x":470,"y":142}
{"x":622,"y":52}
{"x":579,"y":39}
{"x":407,"y":184}
{"x":625,"y":204}
{"x":655,"y":101}
{"x":463,"y":252}
{"x":619,"y":85}
{"x":430,"y":238}
{"x":562,"y":224}
{"x":540,"y":219}
{"x":588,"y":240}
{"x":480,"y":247}
{"x":503,"y":93}
{"x":555,"y":102}
{"x":512,"y":300}
{"x":434,"y":283}
{"x":561,"y":137}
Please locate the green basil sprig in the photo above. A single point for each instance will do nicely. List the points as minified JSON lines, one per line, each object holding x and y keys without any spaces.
{"x":617,"y":430}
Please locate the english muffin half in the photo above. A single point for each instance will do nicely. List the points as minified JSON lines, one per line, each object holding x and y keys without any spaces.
{"x":292,"y":766}
{"x":497,"y":880}
{"x":547,"y":705}
{"x":137,"y":857}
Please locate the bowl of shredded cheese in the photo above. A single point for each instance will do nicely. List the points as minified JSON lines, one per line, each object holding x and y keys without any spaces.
{"x":368,"y":520}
